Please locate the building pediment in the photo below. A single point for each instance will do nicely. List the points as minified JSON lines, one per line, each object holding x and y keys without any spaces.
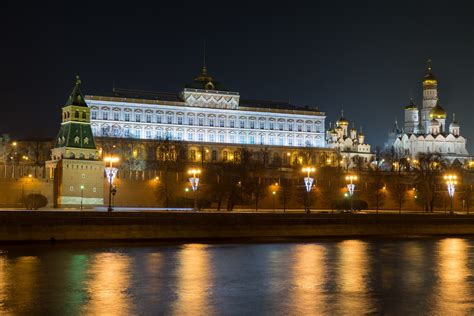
{"x":211,"y":98}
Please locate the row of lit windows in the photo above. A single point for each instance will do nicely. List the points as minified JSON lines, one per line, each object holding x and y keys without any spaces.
{"x":201,"y":121}
{"x":211,"y":137}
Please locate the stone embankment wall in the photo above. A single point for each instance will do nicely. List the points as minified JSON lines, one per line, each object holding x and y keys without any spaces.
{"x":44,"y":226}
{"x":139,"y":189}
{"x":12,"y":190}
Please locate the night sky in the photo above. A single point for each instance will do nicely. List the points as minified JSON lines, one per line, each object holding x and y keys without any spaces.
{"x":367,"y":58}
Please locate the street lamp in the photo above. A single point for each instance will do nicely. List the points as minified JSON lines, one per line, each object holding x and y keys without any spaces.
{"x":82,"y":194}
{"x":273,"y":194}
{"x":350,"y":188}
{"x":195,"y":172}
{"x":111,"y":173}
{"x":451,"y":181}
{"x":308,"y":182}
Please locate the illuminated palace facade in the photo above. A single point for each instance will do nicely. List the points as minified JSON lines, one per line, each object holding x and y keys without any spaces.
{"x":425,"y":129}
{"x":206,"y":116}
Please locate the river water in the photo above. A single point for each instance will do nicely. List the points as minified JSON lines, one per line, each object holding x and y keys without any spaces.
{"x":326,"y":277}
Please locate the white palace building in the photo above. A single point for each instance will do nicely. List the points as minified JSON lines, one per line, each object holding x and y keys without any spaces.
{"x":204,"y":111}
{"x":425,"y":130}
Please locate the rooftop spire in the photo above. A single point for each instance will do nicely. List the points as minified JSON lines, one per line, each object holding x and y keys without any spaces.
{"x":204,"y":56}
{"x":76,"y":97}
{"x":429,"y":77}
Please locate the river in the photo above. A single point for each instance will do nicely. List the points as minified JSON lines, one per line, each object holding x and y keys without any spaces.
{"x":325,"y":277}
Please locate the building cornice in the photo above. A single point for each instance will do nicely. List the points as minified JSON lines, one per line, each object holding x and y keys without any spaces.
{"x":140,"y":102}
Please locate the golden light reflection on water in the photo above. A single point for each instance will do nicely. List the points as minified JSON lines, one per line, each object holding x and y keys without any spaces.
{"x":18,"y":283}
{"x":413,"y":266}
{"x":3,"y":284}
{"x":108,"y":285}
{"x":23,"y":277}
{"x":453,"y":274}
{"x":352,"y":274}
{"x":308,"y":275}
{"x":154,"y":263}
{"x":194,"y":281}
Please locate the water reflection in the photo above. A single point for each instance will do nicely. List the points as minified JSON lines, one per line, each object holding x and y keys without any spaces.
{"x":3,"y":284}
{"x":154,"y":262}
{"x":413,"y":262}
{"x":309,"y":276}
{"x":453,"y":293}
{"x":194,"y":282}
{"x":354,"y":277}
{"x":108,"y":285}
{"x":19,"y":286}
{"x":353,"y":271}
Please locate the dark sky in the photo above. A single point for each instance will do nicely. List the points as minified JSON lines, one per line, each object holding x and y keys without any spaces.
{"x":365,"y":57}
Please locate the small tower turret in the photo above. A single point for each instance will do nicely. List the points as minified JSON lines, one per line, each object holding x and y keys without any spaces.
{"x":454,"y":127}
{"x":353,"y":132}
{"x":411,"y":117}
{"x":361,"y":137}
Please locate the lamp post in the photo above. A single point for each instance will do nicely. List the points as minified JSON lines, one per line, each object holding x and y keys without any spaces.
{"x":451,"y":181}
{"x":308,"y":182}
{"x":82,"y":194}
{"x":194,"y":179}
{"x":273,"y":194}
{"x":350,"y":188}
{"x":111,"y":173}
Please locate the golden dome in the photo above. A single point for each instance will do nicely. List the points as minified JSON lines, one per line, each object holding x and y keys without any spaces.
{"x":411,"y":106}
{"x":429,"y":78}
{"x":342,"y":121}
{"x":437,"y":112}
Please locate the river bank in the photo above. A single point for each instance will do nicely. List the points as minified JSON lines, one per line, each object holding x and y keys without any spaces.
{"x":58,"y":226}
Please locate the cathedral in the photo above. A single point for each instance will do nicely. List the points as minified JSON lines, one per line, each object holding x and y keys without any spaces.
{"x":348,"y":142}
{"x":426,"y":130}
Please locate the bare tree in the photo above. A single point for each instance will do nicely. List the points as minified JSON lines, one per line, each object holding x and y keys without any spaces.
{"x":428,"y":178}
{"x":286,"y":192}
{"x":376,"y":190}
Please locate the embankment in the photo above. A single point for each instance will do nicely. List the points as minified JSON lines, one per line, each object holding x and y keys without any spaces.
{"x":42,"y":226}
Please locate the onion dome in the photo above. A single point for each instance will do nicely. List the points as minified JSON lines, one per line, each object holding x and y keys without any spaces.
{"x":437,"y":112}
{"x":411,"y":105}
{"x":353,"y":129}
{"x":360,"y":133}
{"x":205,"y":82}
{"x":342,"y":121}
{"x":454,"y":123}
{"x":429,"y":78}
{"x":434,"y":122}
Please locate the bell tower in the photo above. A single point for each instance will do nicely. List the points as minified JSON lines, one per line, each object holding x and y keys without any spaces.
{"x":75,"y":164}
{"x":430,"y":96}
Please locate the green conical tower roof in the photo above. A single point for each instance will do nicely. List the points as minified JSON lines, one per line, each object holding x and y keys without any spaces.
{"x":76,"y":97}
{"x":76,"y":130}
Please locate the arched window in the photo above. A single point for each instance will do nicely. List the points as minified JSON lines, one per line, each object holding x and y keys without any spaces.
{"x":76,"y":114}
{"x":84,"y":115}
